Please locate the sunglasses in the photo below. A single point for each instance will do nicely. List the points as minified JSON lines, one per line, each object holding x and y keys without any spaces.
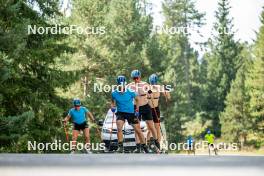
{"x":135,"y":78}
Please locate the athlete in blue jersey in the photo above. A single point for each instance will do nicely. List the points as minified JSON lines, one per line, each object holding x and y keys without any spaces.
{"x":78,"y":114}
{"x":122,"y":100}
{"x":191,"y":145}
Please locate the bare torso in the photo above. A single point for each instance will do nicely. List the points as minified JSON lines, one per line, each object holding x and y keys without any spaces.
{"x":141,"y":89}
{"x":153,"y":98}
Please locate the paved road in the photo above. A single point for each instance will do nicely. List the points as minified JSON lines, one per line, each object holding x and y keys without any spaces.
{"x":129,"y":164}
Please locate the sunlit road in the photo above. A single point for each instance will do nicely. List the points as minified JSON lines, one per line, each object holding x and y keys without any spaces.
{"x":129,"y":164}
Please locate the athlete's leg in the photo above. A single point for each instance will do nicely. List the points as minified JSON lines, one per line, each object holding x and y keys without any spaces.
{"x":153,"y":131}
{"x":148,"y":135}
{"x":86,"y":133}
{"x":120,"y":124}
{"x":137,"y":139}
{"x":75,"y":134}
{"x":215,"y":149}
{"x":139,"y":133}
{"x":151,"y":128}
{"x":147,"y":116}
{"x":141,"y":143}
{"x":209,"y":149}
{"x":157,"y":127}
{"x":141,"y":138}
{"x":156,"y":119}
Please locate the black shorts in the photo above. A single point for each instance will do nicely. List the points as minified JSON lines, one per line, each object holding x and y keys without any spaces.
{"x":81,"y":126}
{"x":145,"y":112}
{"x":130,"y":117}
{"x":156,"y":114}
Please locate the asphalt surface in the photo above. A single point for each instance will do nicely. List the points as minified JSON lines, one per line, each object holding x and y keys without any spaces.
{"x":129,"y":164}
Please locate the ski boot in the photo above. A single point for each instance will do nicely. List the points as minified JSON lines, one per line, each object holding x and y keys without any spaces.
{"x":138,"y":149}
{"x":145,"y":148}
{"x":153,"y":146}
{"x":120,"y":148}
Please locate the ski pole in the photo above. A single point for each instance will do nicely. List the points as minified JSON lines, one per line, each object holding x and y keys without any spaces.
{"x":166,"y":100}
{"x":111,"y":131}
{"x":167,"y":114}
{"x":98,"y":131}
{"x":124,"y":135}
{"x":65,"y":131}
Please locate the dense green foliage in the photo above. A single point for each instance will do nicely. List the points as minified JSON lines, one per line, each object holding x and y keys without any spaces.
{"x":223,"y":62}
{"x":242,"y":120}
{"x":40,"y":74}
{"x":182,"y":69}
{"x":30,"y":107}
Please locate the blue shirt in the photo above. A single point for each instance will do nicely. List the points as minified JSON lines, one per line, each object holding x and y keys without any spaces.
{"x":190,"y":141}
{"x":124,"y":100}
{"x":78,"y":117}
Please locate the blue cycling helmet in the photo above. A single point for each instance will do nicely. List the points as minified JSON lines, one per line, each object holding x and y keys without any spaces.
{"x":135,"y":74}
{"x":76,"y":102}
{"x":208,"y":132}
{"x":121,"y":80}
{"x":153,"y":79}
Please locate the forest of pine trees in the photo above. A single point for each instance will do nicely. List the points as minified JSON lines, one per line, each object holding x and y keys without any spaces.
{"x":40,"y":74}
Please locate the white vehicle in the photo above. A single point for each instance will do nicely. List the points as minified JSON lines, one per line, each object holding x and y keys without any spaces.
{"x":109,"y":133}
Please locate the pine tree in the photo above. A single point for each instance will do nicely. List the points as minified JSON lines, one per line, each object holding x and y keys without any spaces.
{"x":31,"y":75}
{"x":255,"y":83}
{"x":182,"y":64}
{"x":235,"y":119}
{"x":223,"y":63}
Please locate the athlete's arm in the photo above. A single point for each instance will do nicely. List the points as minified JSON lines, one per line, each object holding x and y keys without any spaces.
{"x":66,"y":119}
{"x":137,"y":103}
{"x":113,"y":103}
